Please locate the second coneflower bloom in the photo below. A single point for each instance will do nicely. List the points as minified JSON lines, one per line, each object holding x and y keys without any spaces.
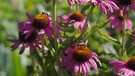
{"x":105,"y":5}
{"x":41,"y":23}
{"x":126,"y":68}
{"x":125,"y":4}
{"x":118,"y":22}
{"x":71,"y":2}
{"x":79,"y":58}
{"x":32,"y":42}
{"x":77,"y":18}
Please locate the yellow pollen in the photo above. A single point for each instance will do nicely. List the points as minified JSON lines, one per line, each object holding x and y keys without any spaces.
{"x":82,"y":53}
{"x":120,"y":16}
{"x":77,"y":16}
{"x":41,"y":21}
{"x":131,"y":63}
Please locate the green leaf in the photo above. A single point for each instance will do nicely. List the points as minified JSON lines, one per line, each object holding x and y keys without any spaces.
{"x":129,"y":32}
{"x":86,"y":7}
{"x":112,"y":40}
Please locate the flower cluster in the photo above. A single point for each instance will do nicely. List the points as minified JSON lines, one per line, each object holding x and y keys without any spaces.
{"x":30,"y":32}
{"x":77,"y":18}
{"x":118,"y":22}
{"x":77,"y":56}
{"x":128,"y":68}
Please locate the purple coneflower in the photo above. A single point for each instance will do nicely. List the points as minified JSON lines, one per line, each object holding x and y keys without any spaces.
{"x":47,"y":1}
{"x":105,"y":5}
{"x":71,"y":2}
{"x":77,"y":18}
{"x":79,"y":58}
{"x":125,"y":4}
{"x":42,"y":23}
{"x":126,"y":68}
{"x":118,"y":22}
{"x":32,"y":42}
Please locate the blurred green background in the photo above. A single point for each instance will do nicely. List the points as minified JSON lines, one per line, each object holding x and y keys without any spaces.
{"x":13,"y":11}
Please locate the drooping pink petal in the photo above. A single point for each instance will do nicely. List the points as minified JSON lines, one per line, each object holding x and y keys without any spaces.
{"x":76,"y":25}
{"x":128,"y":72}
{"x":64,"y":17}
{"x":114,"y":62}
{"x":93,"y":63}
{"x":128,"y":24}
{"x":76,"y":69}
{"x":29,"y":16}
{"x":15,"y":45}
{"x":103,"y":9}
{"x":22,"y":49}
{"x":84,"y":70}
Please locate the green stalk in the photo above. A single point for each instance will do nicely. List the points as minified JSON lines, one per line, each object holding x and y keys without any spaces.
{"x":123,"y":51}
{"x":87,"y":19}
{"x":44,"y":71}
{"x":55,"y":71}
{"x":77,"y":30}
{"x":34,"y":67}
{"x":55,"y":31}
{"x":54,"y":22}
{"x":77,"y":6}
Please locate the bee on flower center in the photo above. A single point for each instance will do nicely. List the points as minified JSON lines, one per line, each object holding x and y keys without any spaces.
{"x":41,"y":21}
{"x":82,"y":53}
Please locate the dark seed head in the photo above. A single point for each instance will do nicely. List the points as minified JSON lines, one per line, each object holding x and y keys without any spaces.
{"x":126,"y":2}
{"x":81,"y":54}
{"x":77,"y":16}
{"x":31,"y":38}
{"x":131,"y":63}
{"x":41,"y":21}
{"x":120,"y":15}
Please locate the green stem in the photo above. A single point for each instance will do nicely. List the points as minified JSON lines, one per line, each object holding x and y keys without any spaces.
{"x":34,"y":67}
{"x":123,"y":51}
{"x":77,"y":31}
{"x":55,"y":31}
{"x":87,"y":19}
{"x":54,"y":22}
{"x":91,"y":10}
{"x":44,"y":71}
{"x":54,"y":69}
{"x":77,"y":6}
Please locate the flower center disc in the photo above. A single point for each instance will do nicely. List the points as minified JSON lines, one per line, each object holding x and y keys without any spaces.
{"x":131,"y":63}
{"x":120,"y":16}
{"x":41,"y":21}
{"x":81,"y":54}
{"x":31,"y":38}
{"x":126,"y":2}
{"x":77,"y":16}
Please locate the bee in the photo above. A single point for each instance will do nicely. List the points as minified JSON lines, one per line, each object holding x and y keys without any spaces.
{"x":81,"y":43}
{"x":46,"y":13}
